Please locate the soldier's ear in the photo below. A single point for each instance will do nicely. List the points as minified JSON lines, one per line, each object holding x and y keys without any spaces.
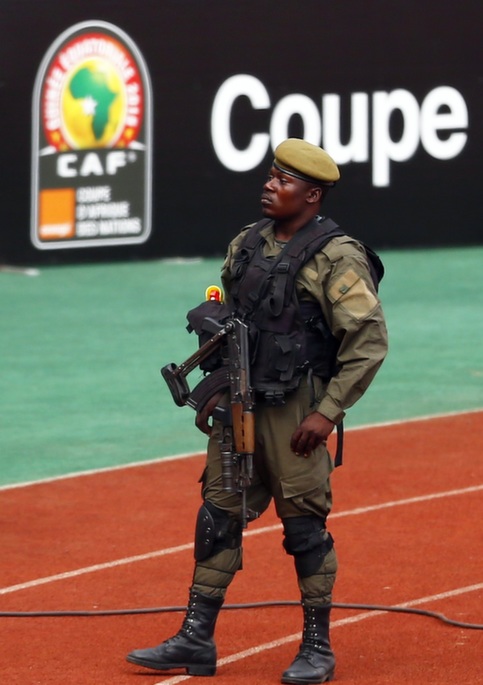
{"x":314,"y":194}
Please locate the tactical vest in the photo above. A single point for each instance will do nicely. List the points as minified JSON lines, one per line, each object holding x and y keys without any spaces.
{"x":289,"y":337}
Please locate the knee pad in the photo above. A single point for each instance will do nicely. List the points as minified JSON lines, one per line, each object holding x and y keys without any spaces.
{"x":215,"y":531}
{"x":308,"y":541}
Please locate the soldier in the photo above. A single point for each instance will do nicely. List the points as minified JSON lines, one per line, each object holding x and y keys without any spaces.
{"x":321,"y":338}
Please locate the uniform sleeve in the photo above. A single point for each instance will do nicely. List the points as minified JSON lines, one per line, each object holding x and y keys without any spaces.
{"x":355,"y":317}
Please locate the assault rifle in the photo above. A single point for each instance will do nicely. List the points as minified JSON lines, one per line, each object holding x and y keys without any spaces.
{"x":237,"y":444}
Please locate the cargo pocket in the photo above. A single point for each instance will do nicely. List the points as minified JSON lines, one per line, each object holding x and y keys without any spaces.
{"x":311,"y":480}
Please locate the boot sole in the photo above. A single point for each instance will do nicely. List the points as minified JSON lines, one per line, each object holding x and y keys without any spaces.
{"x":308,"y":681}
{"x":191,"y":669}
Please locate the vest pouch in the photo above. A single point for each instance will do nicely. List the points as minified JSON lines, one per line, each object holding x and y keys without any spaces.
{"x":206,"y":320}
{"x":278,"y":359}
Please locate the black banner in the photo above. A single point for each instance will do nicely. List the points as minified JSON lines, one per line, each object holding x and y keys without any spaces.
{"x":391,"y":90}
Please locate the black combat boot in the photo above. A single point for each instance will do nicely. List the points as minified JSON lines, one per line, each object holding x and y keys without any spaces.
{"x":192,"y":647}
{"x":315,"y":662}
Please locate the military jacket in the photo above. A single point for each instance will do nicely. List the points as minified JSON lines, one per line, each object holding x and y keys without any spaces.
{"x":338,"y":279}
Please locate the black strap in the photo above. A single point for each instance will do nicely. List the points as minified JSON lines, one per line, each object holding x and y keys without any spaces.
{"x":340,"y":444}
{"x":311,"y":238}
{"x":245,"y":253}
{"x":302,"y":246}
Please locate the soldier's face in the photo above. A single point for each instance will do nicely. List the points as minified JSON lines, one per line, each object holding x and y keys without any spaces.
{"x":283,"y":196}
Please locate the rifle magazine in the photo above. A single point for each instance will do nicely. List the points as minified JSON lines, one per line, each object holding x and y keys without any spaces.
{"x":216,"y":381}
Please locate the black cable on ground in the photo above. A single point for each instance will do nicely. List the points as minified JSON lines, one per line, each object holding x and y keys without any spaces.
{"x":252,"y":605}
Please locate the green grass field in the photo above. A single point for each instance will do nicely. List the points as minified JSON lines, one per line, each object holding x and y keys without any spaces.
{"x":81,"y":348}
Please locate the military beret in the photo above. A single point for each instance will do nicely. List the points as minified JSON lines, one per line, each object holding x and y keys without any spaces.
{"x":308,"y":162}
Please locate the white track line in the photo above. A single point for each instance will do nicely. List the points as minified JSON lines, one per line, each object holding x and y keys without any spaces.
{"x":107,"y":469}
{"x":158,"y":460}
{"x":334,"y":624}
{"x":259,"y":531}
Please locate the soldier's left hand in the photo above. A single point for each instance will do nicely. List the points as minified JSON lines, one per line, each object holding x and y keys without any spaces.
{"x":203,"y":417}
{"x":312,"y":432}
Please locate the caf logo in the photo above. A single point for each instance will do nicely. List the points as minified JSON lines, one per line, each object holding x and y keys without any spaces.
{"x":92,"y":94}
{"x":91,"y":141}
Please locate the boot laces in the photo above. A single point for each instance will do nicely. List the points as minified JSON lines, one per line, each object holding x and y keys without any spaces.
{"x":186,"y":629}
{"x":187,"y":625}
{"x":308,"y":652}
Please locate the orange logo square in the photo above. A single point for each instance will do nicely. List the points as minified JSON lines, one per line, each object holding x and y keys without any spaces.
{"x":57,"y":214}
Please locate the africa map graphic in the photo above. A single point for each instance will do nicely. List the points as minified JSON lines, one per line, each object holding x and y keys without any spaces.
{"x":93,"y":89}
{"x":93,"y":105}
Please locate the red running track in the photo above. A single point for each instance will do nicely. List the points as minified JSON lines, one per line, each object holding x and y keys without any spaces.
{"x":407,"y":525}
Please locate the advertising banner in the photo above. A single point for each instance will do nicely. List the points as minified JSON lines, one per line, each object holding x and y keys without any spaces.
{"x":92,"y":124}
{"x":139,"y":131}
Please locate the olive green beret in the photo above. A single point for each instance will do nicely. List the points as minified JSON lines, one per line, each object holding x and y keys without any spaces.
{"x":308,"y":162}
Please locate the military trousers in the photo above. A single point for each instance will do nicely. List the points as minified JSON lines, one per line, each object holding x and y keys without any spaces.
{"x":298,"y":485}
